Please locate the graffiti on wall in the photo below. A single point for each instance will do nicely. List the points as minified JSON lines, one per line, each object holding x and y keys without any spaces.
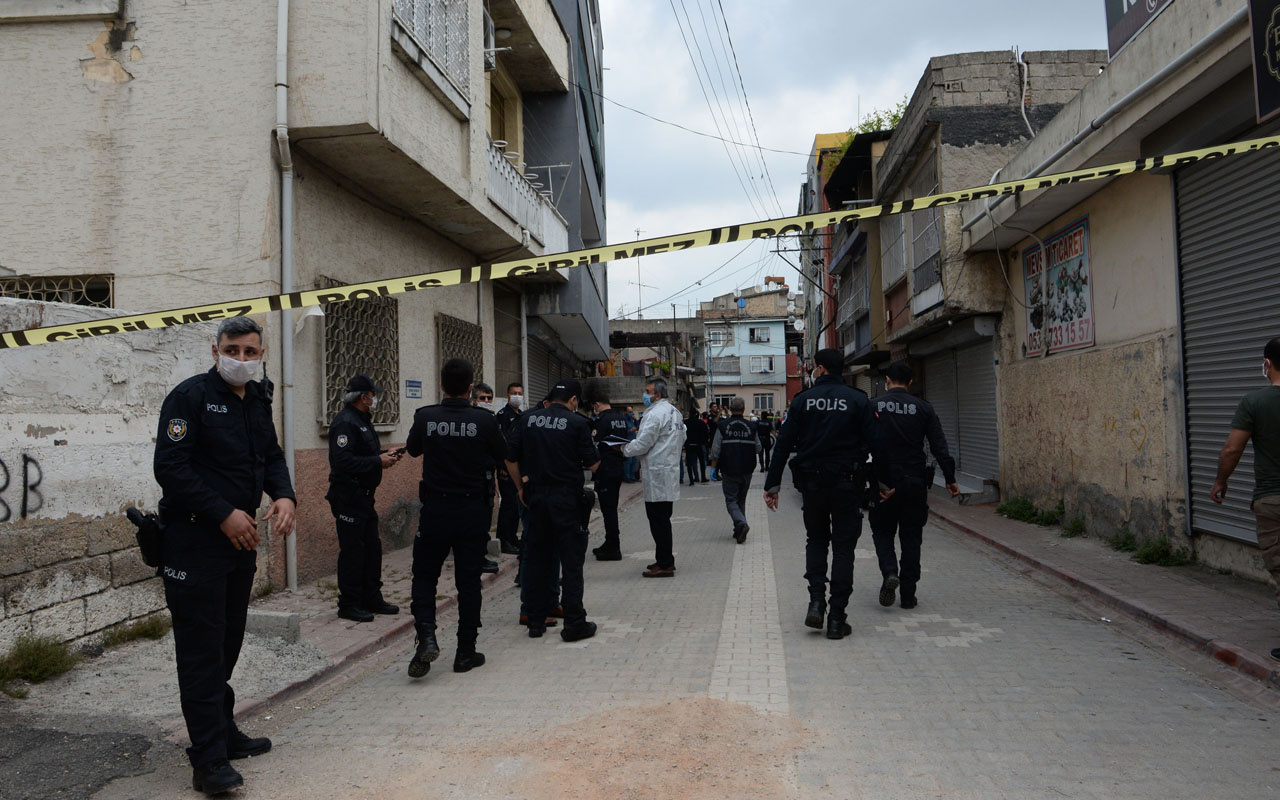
{"x":30,"y":500}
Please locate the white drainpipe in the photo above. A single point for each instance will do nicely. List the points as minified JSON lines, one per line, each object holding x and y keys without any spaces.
{"x":286,"y":267}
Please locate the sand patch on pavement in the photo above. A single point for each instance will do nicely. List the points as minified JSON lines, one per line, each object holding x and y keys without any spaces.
{"x":688,"y":749}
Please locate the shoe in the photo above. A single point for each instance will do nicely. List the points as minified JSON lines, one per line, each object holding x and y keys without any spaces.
{"x":741,"y":533}
{"x":536,"y":631}
{"x":609,"y":555}
{"x":887,"y":589}
{"x":465,"y":662}
{"x":517,"y":580}
{"x":216,"y":778}
{"x":550,"y":623}
{"x":1275,"y":654}
{"x":557,"y":612}
{"x":817,"y":610}
{"x":355,"y":614}
{"x":489,"y":567}
{"x":241,"y":746}
{"x":510,"y":548}
{"x":908,"y":600}
{"x":659,"y":572}
{"x":837,"y":628}
{"x":384,"y":608}
{"x":428,"y":650}
{"x":575,"y":633}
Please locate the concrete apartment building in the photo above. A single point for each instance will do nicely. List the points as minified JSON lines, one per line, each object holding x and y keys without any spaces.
{"x":672,"y":349}
{"x":748,"y":337}
{"x":403,"y":136}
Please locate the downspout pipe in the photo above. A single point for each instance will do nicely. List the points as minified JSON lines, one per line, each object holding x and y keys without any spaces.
{"x":286,"y":269}
{"x":1237,"y":19}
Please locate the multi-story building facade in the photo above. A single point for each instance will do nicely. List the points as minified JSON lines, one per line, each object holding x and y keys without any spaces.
{"x":344,"y":141}
{"x":747,"y":348}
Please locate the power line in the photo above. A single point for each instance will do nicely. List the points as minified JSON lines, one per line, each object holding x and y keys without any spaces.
{"x":699,"y":281}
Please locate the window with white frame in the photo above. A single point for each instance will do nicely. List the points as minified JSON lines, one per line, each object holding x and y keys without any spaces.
{"x":762,"y":401}
{"x":716,"y":337}
{"x":723,"y":399}
{"x":758,"y":335}
{"x":725,"y":365}
{"x":762,"y":363}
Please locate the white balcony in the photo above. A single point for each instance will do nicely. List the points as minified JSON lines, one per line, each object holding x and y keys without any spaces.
{"x":520,"y":199}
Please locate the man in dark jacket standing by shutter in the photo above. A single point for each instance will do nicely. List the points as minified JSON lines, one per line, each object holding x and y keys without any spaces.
{"x":356,"y":462}
{"x":906,"y":422}
{"x":610,"y":424}
{"x":698,"y":436}
{"x":733,"y":452}
{"x":216,"y":452}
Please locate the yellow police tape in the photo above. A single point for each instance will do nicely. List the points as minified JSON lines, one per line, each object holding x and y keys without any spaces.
{"x":598,"y":255}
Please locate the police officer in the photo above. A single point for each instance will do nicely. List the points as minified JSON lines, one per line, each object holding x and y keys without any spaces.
{"x":459,"y":443}
{"x":907,"y":422}
{"x":552,"y":446}
{"x":216,"y":452}
{"x":831,"y":428}
{"x":733,"y":452}
{"x":610,"y":423}
{"x":510,"y":511}
{"x":356,"y":462}
{"x":482,"y":397}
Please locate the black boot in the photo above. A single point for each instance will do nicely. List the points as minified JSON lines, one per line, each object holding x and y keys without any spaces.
{"x":428,"y":650}
{"x":817,"y":610}
{"x":467,"y":659}
{"x":240,"y":745}
{"x":609,"y":551}
{"x":215,"y":778}
{"x":837,"y":628}
{"x":887,"y":589}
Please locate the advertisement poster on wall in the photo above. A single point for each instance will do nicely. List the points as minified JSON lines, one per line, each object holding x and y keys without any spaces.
{"x":1059,"y":296}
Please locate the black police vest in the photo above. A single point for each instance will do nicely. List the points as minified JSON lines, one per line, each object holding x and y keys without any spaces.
{"x":738,"y":439}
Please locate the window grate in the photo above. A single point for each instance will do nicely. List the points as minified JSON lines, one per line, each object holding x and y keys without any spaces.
{"x":440,"y":28}
{"x":97,"y":291}
{"x":362,"y":336}
{"x":457,"y":338}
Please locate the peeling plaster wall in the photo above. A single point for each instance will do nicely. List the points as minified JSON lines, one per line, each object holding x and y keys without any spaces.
{"x":79,"y":419}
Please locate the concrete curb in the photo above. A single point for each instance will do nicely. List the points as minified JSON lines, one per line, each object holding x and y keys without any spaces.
{"x":1254,"y":665}
{"x":337,"y":663}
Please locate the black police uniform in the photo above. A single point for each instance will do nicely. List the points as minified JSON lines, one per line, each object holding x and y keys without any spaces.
{"x":355,"y":470}
{"x":907,"y":422}
{"x":734,"y":448}
{"x":608,"y":477}
{"x":552,"y":446}
{"x":215,"y":453}
{"x":695,"y":448}
{"x":831,"y":427}
{"x":509,"y":509}
{"x":458,"y":443}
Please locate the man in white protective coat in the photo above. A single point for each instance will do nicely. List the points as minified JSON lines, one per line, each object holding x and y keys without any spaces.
{"x":659,"y":444}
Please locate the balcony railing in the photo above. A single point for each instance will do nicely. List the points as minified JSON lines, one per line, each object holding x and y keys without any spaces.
{"x":512,"y":192}
{"x":440,"y":28}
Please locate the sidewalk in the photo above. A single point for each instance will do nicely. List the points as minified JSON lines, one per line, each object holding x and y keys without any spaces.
{"x":1232,"y":620}
{"x":343,"y":641}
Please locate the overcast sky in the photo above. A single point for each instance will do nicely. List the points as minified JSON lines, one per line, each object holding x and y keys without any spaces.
{"x":807,"y":67}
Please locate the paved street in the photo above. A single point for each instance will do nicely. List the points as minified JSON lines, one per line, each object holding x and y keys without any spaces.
{"x":992,"y":687}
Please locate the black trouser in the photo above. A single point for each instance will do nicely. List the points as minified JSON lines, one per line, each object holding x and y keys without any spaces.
{"x":659,"y":515}
{"x":697,"y":457}
{"x":555,"y":535}
{"x":608,"y":487}
{"x":903,"y":514}
{"x":459,"y":523}
{"x":832,"y":519}
{"x":508,"y":512}
{"x":208,"y":629}
{"x":359,"y":554}
{"x":765,"y":450}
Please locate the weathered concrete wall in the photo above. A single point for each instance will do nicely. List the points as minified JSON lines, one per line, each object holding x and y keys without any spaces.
{"x":77,"y":433}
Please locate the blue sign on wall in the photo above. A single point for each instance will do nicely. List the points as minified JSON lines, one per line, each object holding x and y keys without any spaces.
{"x":413,"y":389}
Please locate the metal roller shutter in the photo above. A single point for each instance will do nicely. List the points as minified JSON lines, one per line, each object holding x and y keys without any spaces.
{"x":539,"y":372}
{"x":978,"y":447}
{"x":1227,"y":245}
{"x":940,"y":391}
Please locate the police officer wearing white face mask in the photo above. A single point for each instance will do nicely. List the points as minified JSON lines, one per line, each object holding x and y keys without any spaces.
{"x":216,"y":452}
{"x":356,"y":462}
{"x":510,"y":511}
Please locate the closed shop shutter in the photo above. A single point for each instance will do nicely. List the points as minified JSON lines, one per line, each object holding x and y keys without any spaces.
{"x":940,"y":391}
{"x":978,"y":446}
{"x":1227,"y":245}
{"x":508,"y":339}
{"x":539,"y":372}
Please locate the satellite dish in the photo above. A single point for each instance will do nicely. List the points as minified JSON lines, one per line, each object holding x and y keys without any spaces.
{"x":798,"y":325}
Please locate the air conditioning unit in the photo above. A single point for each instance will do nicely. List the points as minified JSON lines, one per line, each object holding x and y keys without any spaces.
{"x":490,"y":44}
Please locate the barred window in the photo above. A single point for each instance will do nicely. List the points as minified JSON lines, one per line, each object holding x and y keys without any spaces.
{"x":81,"y":290}
{"x":362,"y":336}
{"x":457,"y":338}
{"x":440,"y":28}
{"x":725,"y":365}
{"x":926,"y":244}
